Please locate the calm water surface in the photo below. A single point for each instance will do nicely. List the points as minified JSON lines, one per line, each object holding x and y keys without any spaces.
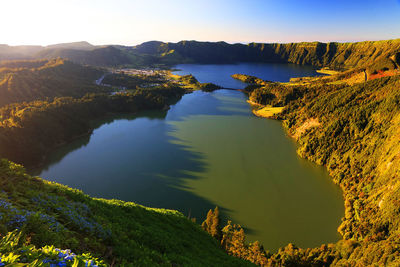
{"x":209,"y":150}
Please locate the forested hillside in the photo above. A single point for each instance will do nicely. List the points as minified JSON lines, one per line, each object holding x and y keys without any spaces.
{"x":103,"y":56}
{"x":43,"y":223}
{"x":349,"y":122}
{"x":335,"y":55}
{"x":154,"y":53}
{"x":354,"y":131}
{"x":22,"y":81}
{"x":29,"y":130}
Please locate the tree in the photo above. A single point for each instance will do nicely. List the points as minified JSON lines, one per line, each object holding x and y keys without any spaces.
{"x":212,"y":224}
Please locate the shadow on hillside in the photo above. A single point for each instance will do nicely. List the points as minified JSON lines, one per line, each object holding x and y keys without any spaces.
{"x":111,"y":167}
{"x":60,"y":152}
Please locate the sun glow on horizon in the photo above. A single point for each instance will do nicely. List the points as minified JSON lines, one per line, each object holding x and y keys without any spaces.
{"x":45,"y":22}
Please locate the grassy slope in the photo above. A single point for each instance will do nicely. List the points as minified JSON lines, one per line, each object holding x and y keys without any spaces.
{"x":117,"y":231}
{"x":355,"y":134}
{"x":51,"y":214}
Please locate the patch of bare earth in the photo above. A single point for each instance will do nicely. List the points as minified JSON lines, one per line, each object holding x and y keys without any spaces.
{"x":308,"y":124}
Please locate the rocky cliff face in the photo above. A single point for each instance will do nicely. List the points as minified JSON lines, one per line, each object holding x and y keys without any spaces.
{"x":334,"y":55}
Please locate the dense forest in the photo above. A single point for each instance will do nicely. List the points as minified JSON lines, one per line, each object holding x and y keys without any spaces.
{"x":29,"y":130}
{"x":348,"y":122}
{"x":154,"y":53}
{"x":335,"y":55}
{"x":43,"y":223}
{"x":353,"y":130}
{"x":22,"y":81}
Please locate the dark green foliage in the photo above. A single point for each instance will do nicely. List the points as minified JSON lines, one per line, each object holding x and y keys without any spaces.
{"x":39,"y":80}
{"x":251,"y":80}
{"x":121,"y":233}
{"x":357,"y":142}
{"x":209,"y":87}
{"x":275,"y":94}
{"x":396,"y":59}
{"x":28,"y":131}
{"x":334,"y":55}
{"x":192,"y":82}
{"x":354,"y":131}
{"x":189,"y":79}
{"x":343,"y":253}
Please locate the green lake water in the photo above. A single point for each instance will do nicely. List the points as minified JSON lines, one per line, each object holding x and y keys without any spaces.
{"x":209,"y":150}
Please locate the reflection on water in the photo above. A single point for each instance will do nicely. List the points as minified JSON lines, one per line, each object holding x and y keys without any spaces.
{"x":208,"y":150}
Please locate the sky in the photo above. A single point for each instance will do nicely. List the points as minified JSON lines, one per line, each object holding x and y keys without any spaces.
{"x":130,"y":22}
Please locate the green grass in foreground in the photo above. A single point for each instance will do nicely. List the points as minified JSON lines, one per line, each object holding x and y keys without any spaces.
{"x":49,"y":216}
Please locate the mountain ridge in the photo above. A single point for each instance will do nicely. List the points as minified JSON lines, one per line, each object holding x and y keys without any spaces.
{"x":334,"y":55}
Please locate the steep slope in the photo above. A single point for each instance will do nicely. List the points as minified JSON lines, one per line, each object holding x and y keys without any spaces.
{"x":335,"y":55}
{"x":35,"y":80}
{"x":29,"y":130}
{"x":29,"y":51}
{"x":104,"y":56}
{"x":357,"y":139}
{"x":353,"y":130}
{"x":18,"y":52}
{"x":120,"y":233}
{"x":74,"y":45}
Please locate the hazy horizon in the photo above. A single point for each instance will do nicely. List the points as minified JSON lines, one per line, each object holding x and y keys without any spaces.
{"x":110,"y":44}
{"x":123,"y":22}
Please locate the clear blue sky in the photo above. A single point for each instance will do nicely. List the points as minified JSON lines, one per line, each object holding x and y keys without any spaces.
{"x":131,"y":22}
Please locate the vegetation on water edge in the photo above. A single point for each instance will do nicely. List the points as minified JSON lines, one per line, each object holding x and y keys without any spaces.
{"x":191,"y":82}
{"x":354,"y":130}
{"x":267,"y":112}
{"x":341,"y":121}
{"x":28,"y":131}
{"x":251,"y":80}
{"x":333,"y":55}
{"x":120,"y":233}
{"x":46,"y":103}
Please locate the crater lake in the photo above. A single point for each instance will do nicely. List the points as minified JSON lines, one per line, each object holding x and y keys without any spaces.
{"x":209,"y":150}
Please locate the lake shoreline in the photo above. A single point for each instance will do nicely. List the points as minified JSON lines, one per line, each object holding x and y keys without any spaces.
{"x":31,"y":167}
{"x":220,"y":112}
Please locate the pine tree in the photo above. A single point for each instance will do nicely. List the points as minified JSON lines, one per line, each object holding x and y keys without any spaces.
{"x":212,"y":224}
{"x":215,"y":229}
{"x":206,"y":225}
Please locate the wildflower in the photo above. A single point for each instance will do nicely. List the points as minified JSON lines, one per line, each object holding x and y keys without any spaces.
{"x":61,"y":263}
